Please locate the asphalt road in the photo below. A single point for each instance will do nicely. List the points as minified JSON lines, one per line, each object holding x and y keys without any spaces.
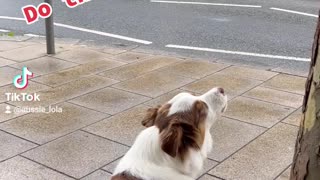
{"x":244,"y":29}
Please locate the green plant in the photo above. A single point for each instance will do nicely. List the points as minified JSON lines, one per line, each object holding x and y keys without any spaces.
{"x":11,"y":34}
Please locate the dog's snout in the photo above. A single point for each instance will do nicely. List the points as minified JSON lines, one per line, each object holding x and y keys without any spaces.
{"x":221,"y":90}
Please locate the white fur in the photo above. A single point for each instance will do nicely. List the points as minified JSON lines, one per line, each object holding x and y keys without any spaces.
{"x":146,"y":160}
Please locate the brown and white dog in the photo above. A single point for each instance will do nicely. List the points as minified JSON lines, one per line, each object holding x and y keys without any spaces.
{"x":176,"y":141}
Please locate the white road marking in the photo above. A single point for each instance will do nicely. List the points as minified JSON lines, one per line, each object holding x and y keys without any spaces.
{"x":33,"y":35}
{"x":3,"y":30}
{"x":239,"y":53}
{"x":103,"y":33}
{"x":205,"y":3}
{"x":12,"y":18}
{"x":295,"y":12}
{"x":87,"y":30}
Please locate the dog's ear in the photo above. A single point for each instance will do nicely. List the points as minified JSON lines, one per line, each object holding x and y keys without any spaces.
{"x":200,"y":111}
{"x":177,"y":138}
{"x":150,"y":117}
{"x":183,"y":131}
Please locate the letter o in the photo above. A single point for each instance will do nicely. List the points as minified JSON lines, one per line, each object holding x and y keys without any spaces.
{"x":44,"y":10}
{"x":29,"y":97}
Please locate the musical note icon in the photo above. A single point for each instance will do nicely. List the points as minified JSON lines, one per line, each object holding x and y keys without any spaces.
{"x":21,"y":81}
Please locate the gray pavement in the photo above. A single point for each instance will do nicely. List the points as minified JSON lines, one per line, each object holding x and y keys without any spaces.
{"x":104,"y":92}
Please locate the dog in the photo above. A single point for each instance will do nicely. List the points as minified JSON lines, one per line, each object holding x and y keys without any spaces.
{"x":176,"y":141}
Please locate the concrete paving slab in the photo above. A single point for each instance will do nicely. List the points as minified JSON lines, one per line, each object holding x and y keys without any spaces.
{"x":285,"y":175}
{"x":154,"y":84}
{"x":61,"y":44}
{"x":5,"y":62}
{"x":41,"y":127}
{"x":123,"y":127}
{"x":11,"y":146}
{"x":231,"y":135}
{"x":275,"y":96}
{"x":287,"y":83}
{"x":69,"y":91}
{"x":208,"y":177}
{"x":19,"y":168}
{"x":233,"y":85}
{"x":264,"y":158}
{"x":98,"y":175}
{"x":113,"y":51}
{"x":7,"y":116}
{"x":249,"y":73}
{"x":294,"y":118}
{"x":44,"y":65}
{"x":137,"y":69}
{"x":7,"y":74}
{"x":58,"y":41}
{"x":77,"y":154}
{"x":111,"y":166}
{"x":26,"y":53}
{"x":208,"y":164}
{"x":110,"y":100}
{"x":194,"y":69}
{"x":10,"y":45}
{"x":256,"y":112}
{"x":74,"y":73}
{"x":82,"y":55}
{"x":130,"y":57}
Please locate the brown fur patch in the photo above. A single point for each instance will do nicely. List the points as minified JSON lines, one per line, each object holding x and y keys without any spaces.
{"x":124,"y":176}
{"x":180,"y":131}
{"x":154,"y":114}
{"x":150,"y":117}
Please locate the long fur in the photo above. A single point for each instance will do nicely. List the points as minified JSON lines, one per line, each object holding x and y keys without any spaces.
{"x":147,"y":159}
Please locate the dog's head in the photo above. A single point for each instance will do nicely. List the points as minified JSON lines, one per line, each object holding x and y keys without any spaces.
{"x":183,"y":121}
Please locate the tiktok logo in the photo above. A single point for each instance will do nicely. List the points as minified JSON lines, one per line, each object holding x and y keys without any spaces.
{"x":21,"y":81}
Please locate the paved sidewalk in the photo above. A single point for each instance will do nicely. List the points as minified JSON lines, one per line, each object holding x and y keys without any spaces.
{"x":104,"y":93}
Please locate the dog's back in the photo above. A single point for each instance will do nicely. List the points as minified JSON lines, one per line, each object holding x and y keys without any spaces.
{"x":176,"y":141}
{"x":145,"y":160}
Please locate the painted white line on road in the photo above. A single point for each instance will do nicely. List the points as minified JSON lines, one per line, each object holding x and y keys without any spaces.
{"x":3,"y":30}
{"x":295,"y":12}
{"x":238,"y":53}
{"x":103,"y":33}
{"x":204,"y":3}
{"x":33,"y":35}
{"x":12,"y":18}
{"x":87,"y":30}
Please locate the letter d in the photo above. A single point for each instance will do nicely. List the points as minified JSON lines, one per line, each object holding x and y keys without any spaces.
{"x":30,"y":13}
